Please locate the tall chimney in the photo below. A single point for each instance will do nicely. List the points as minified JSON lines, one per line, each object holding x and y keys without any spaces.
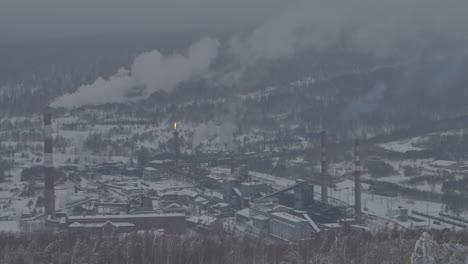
{"x":324,"y":167}
{"x":357,"y":179}
{"x":176,"y":144}
{"x":48,"y":168}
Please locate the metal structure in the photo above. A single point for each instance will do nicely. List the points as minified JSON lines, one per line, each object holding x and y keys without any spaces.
{"x":48,"y":168}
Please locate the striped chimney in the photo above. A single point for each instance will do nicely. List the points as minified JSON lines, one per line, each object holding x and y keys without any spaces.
{"x":324,"y":167}
{"x":48,"y":167}
{"x":357,"y":179}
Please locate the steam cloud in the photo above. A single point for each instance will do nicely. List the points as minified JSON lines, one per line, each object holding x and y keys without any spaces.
{"x":150,"y":72}
{"x":365,"y":104}
{"x":385,"y":28}
{"x":222,"y":133}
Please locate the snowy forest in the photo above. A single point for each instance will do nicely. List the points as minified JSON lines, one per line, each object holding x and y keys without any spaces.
{"x":386,"y":247}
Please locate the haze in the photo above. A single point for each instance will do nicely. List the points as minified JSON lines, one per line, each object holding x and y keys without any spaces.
{"x":26,"y":19}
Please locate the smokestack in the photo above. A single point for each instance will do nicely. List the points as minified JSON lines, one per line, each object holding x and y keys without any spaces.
{"x":176,"y":144}
{"x":324,"y":166}
{"x":357,"y":179}
{"x":48,"y":168}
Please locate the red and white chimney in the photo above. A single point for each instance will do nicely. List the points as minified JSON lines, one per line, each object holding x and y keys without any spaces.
{"x":324,"y":167}
{"x":357,"y":179}
{"x":49,"y":194}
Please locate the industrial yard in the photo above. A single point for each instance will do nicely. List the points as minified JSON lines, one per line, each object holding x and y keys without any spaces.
{"x":64,"y":190}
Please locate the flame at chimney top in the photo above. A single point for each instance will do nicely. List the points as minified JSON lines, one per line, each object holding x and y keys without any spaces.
{"x":175,"y":125}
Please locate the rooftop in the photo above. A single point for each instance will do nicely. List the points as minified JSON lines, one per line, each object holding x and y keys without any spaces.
{"x":99,"y":225}
{"x":75,"y":218}
{"x":289,"y":217}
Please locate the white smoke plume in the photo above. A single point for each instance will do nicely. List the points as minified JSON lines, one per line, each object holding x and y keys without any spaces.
{"x":150,"y":72}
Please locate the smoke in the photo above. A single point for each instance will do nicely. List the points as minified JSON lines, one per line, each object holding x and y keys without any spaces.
{"x":222,"y":131}
{"x":219,"y":134}
{"x":150,"y":72}
{"x":385,"y":28}
{"x":365,"y":104}
{"x":382,"y":28}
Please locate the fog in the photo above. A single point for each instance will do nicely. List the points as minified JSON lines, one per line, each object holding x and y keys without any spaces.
{"x":22,"y":20}
{"x":396,"y":29}
{"x":25,"y":20}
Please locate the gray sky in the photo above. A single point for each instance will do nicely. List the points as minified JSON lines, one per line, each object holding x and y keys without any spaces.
{"x":32,"y":19}
{"x":278,"y":23}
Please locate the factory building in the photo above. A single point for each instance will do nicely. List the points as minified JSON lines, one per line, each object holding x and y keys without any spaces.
{"x":153,"y":174}
{"x":282,"y":223}
{"x":168,"y":222}
{"x":107,"y":228}
{"x":289,"y":227}
{"x":238,"y":193}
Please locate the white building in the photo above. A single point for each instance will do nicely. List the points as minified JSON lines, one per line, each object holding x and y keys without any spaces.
{"x":289,"y":227}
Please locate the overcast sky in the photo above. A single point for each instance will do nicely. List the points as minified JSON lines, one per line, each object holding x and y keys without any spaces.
{"x":32,"y":19}
{"x":44,"y":19}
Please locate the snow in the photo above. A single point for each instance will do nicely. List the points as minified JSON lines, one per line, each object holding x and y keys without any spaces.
{"x":10,"y":226}
{"x":379,"y":205}
{"x":244,"y":212}
{"x":288,"y":217}
{"x":202,"y":220}
{"x":77,"y":218}
{"x":99,"y":225}
{"x":443,"y":163}
{"x":276,"y":182}
{"x":399,"y":147}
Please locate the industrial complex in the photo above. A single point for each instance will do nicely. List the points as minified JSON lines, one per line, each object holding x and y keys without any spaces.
{"x":202,"y":192}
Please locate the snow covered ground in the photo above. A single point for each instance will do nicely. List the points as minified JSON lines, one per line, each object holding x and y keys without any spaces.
{"x":404,"y":145}
{"x":375,"y":204}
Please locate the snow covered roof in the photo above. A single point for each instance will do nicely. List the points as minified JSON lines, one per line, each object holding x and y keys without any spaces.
{"x":252,"y":183}
{"x":244,"y":212}
{"x":236,"y":190}
{"x":260,"y":217}
{"x":100,"y":225}
{"x":202,"y":220}
{"x":9,"y":226}
{"x":75,"y":218}
{"x":122,"y":224}
{"x":361,"y":227}
{"x":288,"y":217}
{"x":160,"y":161}
{"x":174,"y":205}
{"x":443,"y":163}
{"x":201,"y":200}
{"x":332,"y":225}
{"x":222,"y":205}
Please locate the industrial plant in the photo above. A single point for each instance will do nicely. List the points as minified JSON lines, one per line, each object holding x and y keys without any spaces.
{"x":234,"y":132}
{"x":180,"y":192}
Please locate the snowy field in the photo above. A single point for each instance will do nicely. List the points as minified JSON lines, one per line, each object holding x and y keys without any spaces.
{"x":404,"y":145}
